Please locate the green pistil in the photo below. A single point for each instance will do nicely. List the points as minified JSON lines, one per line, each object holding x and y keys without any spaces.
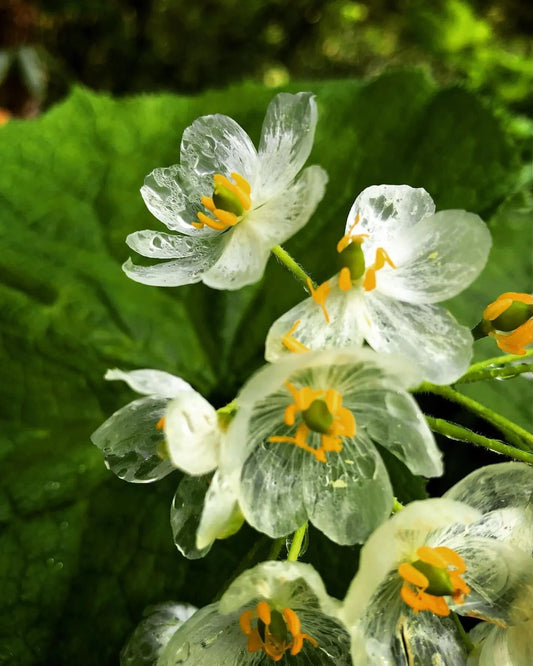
{"x":515,"y":315}
{"x":317,"y":416}
{"x":439,"y":581}
{"x":352,"y":257}
{"x":277,"y":627}
{"x":226,"y":200}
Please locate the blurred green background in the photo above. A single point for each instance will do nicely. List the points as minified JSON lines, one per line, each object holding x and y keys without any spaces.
{"x":432,"y":94}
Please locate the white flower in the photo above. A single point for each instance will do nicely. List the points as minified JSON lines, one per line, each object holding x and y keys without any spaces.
{"x":230,"y":204}
{"x":171,"y":427}
{"x":275,"y":611}
{"x":469,"y":551}
{"x":301,"y":445}
{"x":398,"y":259}
{"x":502,"y":646}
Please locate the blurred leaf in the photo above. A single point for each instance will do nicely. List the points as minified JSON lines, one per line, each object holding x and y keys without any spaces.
{"x":83,"y":553}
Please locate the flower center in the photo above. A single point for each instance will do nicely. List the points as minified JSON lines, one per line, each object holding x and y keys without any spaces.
{"x":509,"y":321}
{"x":228,"y":203}
{"x":321,"y":412}
{"x":434,"y":575}
{"x":275,"y":632}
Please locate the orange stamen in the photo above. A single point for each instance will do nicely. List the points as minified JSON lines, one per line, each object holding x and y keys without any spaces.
{"x":350,"y":237}
{"x":209,"y":222}
{"x":160,"y":424}
{"x":382,"y":258}
{"x":228,"y":219}
{"x":516,"y":341}
{"x":224,"y":219}
{"x":505,"y":300}
{"x":345,"y":279}
{"x":291,"y":343}
{"x":208,"y":203}
{"x":242,"y":195}
{"x":319,"y":295}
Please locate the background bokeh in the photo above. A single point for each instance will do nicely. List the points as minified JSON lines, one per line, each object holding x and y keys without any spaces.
{"x":94,"y":95}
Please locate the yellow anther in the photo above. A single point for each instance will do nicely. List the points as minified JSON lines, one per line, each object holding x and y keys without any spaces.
{"x":517,"y":341}
{"x":349,"y":237}
{"x":242,"y":183}
{"x":234,"y":197}
{"x":345,"y":279}
{"x":291,"y":343}
{"x":263,"y":612}
{"x":382,"y":258}
{"x":242,"y":194}
{"x":208,"y":203}
{"x":209,"y":222}
{"x":319,"y":295}
{"x":160,"y":424}
{"x":227,"y":219}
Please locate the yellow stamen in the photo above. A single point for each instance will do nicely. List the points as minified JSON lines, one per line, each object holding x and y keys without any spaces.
{"x":350,"y":237}
{"x":441,"y":568}
{"x":224,"y":218}
{"x":516,"y":341}
{"x":209,"y":222}
{"x":160,"y":424}
{"x":342,"y":425}
{"x":274,"y":638}
{"x":504,"y":301}
{"x":345,"y":279}
{"x":291,"y":343}
{"x":320,"y":295}
{"x":242,"y":195}
{"x":208,"y":203}
{"x":229,"y":219}
{"x":382,"y":258}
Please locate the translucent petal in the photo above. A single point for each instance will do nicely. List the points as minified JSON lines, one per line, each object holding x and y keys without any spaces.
{"x":192,"y":433}
{"x":427,"y":334}
{"x":350,"y":495}
{"x":493,"y":487}
{"x":168,"y":274}
{"x":243,"y":259}
{"x":173,"y":195}
{"x":185,"y":513}
{"x":286,"y":140}
{"x":385,"y":211}
{"x":437,"y":258}
{"x":219,"y":510}
{"x":150,"y":382}
{"x":154,"y":632}
{"x":159,"y":245}
{"x":217,"y":144}
{"x":313,"y":331}
{"x":281,"y":216}
{"x":294,"y":585}
{"x":393,"y":419}
{"x":129,"y":440}
{"x":396,"y":541}
{"x":498,"y":646}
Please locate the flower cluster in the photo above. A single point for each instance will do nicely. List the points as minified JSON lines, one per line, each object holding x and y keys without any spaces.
{"x":319,"y":433}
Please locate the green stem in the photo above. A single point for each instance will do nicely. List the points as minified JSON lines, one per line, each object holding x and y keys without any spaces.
{"x":296,"y":545}
{"x":497,"y":360}
{"x":277,"y":545}
{"x":495,"y":373}
{"x":514,"y":433}
{"x":396,"y":506}
{"x":468,"y":643}
{"x":460,"y":434}
{"x":292,"y":265}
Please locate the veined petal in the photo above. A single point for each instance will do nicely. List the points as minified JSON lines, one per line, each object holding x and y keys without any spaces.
{"x":499,"y":646}
{"x":312,"y":331}
{"x":192,"y":433}
{"x":396,"y":541}
{"x":437,"y":258}
{"x":159,"y":245}
{"x":242,"y":262}
{"x":286,"y":140}
{"x":393,"y":419}
{"x":150,"y":637}
{"x":282,"y":215}
{"x":385,"y":211}
{"x":185,"y":513}
{"x":150,"y":382}
{"x":347,"y":497}
{"x":217,"y":144}
{"x":219,"y":510}
{"x":129,"y":440}
{"x":168,"y":274}
{"x":427,"y":334}
{"x":172,"y":194}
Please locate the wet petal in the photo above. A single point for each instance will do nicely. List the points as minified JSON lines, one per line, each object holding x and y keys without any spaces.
{"x":159,"y":245}
{"x":350,"y":495}
{"x":385,"y":211}
{"x":437,"y":258}
{"x":154,"y":632}
{"x":168,"y":274}
{"x":242,"y":262}
{"x":217,"y":144}
{"x":129,"y":440}
{"x":312,"y":331}
{"x":286,"y":140}
{"x":281,"y":216}
{"x":192,"y":433}
{"x":427,"y":334}
{"x":185,"y":513}
{"x":150,"y":382}
{"x":220,"y":507}
{"x":498,"y":646}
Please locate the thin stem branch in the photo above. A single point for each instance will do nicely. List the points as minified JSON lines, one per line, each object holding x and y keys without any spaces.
{"x":277,"y":545}
{"x":460,"y":434}
{"x":466,"y":640}
{"x":495,"y":373}
{"x":514,"y":433}
{"x":396,"y":506}
{"x":296,"y":545}
{"x":497,"y":360}
{"x":292,"y":265}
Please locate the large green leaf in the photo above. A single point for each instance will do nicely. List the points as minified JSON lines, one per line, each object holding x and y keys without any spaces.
{"x":81,"y":552}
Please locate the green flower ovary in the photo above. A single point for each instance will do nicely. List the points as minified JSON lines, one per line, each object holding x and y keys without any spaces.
{"x":515,"y":315}
{"x":352,"y":257}
{"x":226,"y":200}
{"x":439,"y":580}
{"x":317,"y":416}
{"x":277,"y":627}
